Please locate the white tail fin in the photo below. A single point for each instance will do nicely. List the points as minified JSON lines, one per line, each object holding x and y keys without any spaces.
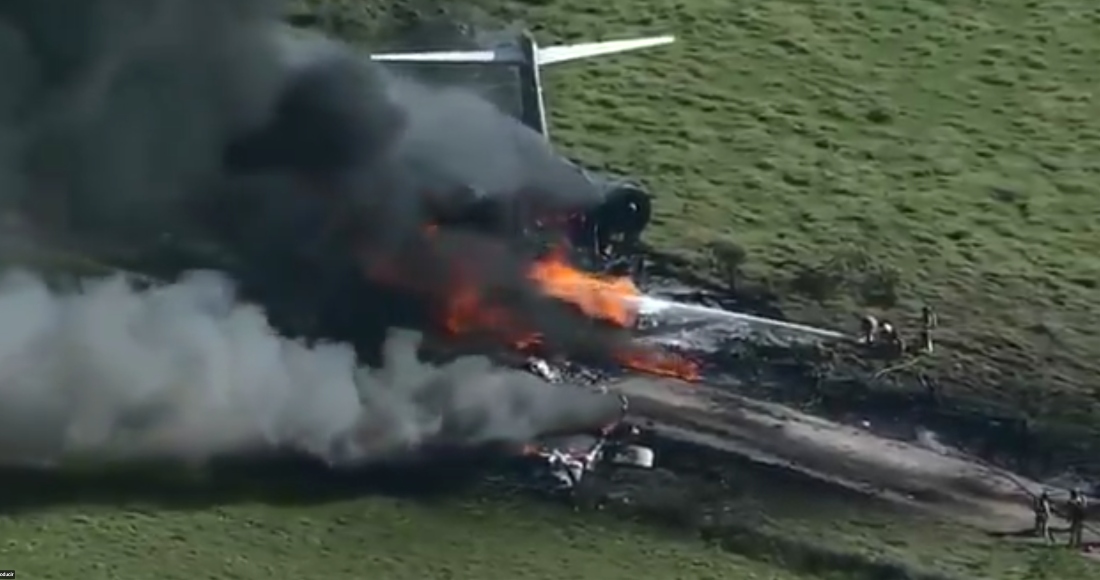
{"x":513,"y":55}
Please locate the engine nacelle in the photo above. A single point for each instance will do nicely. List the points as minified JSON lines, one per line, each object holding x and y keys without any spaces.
{"x":613,"y":226}
{"x":626,"y":210}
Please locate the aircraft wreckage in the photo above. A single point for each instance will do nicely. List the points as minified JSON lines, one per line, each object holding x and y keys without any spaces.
{"x":343,"y":225}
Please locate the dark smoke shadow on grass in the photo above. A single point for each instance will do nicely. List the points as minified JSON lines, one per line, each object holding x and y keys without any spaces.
{"x":285,"y":481}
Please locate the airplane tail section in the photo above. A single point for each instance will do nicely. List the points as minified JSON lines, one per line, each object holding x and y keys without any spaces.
{"x":529,"y":58}
{"x":514,"y":55}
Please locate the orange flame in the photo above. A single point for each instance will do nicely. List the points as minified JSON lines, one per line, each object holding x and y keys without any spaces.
{"x":466,"y":310}
{"x":613,"y":300}
{"x":605,"y":298}
{"x":660,"y":363}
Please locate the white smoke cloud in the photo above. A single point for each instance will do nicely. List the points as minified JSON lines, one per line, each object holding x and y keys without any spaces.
{"x":112,"y":372}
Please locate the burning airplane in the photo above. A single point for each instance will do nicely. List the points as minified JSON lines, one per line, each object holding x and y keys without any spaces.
{"x":330,"y":191}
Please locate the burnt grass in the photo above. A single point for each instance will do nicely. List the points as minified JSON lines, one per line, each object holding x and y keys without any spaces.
{"x":897,"y":396}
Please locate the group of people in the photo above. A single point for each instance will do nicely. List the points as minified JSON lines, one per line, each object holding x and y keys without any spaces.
{"x":883,"y":333}
{"x":1076,"y":511}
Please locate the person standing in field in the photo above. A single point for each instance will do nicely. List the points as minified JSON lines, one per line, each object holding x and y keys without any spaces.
{"x":1043,"y":511}
{"x":1077,"y":509}
{"x":928,"y":323}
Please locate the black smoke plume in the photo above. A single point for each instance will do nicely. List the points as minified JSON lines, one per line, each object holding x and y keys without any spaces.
{"x":300,"y":166}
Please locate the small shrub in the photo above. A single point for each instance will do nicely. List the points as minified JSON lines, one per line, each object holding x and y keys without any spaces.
{"x":818,"y":283}
{"x":727,"y":259}
{"x":879,"y":286}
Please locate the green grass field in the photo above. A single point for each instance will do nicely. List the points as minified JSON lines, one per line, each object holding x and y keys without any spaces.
{"x":954,"y":146}
{"x":355,"y":539}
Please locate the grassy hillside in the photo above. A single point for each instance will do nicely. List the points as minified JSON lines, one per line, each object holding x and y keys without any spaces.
{"x":952,"y":149}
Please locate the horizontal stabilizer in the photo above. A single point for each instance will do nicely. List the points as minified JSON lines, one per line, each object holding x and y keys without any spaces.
{"x":511,"y":55}
{"x":567,"y":52}
{"x":458,"y":56}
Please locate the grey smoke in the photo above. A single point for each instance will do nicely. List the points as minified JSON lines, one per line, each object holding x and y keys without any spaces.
{"x":184,"y":371}
{"x":447,"y":127}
